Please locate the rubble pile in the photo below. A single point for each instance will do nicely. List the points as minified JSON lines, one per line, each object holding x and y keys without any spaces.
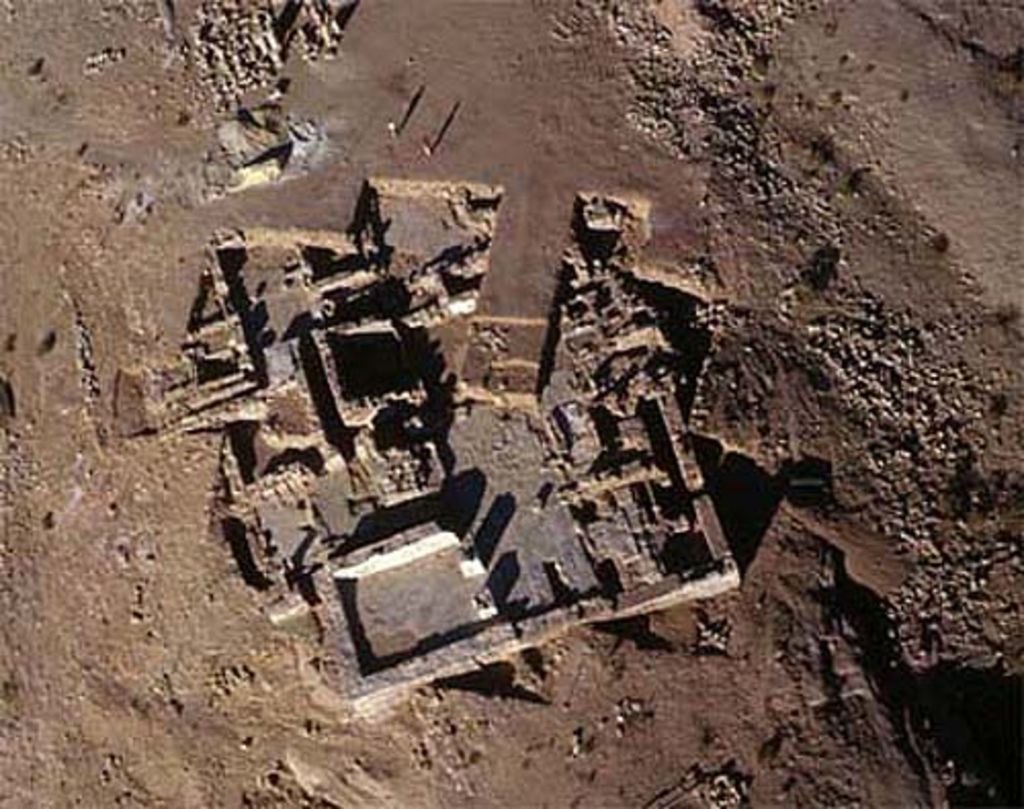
{"x":923,"y":413}
{"x":917,"y":407}
{"x":238,"y":47}
{"x":235,"y":49}
{"x":320,"y":25}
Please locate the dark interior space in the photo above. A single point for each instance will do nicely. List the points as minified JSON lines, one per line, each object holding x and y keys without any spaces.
{"x":399,"y":424}
{"x":385,"y":299}
{"x":285,"y":20}
{"x":348,"y":597}
{"x":237,"y":537}
{"x":370,"y":364}
{"x":607,"y":426}
{"x":661,"y":444}
{"x":299,"y":571}
{"x":386,"y":522}
{"x":553,"y":334}
{"x":323,"y":399}
{"x":241,"y":435}
{"x":672,"y":501}
{"x":344,"y":12}
{"x":684,"y":553}
{"x":608,"y":579}
{"x":562,"y":593}
{"x":707,"y":452}
{"x":440,"y":383}
{"x":210,"y":369}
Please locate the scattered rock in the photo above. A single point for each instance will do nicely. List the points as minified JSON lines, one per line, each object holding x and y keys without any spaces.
{"x":136,"y":207}
{"x":86,"y":361}
{"x":823,"y":267}
{"x":726,"y":787}
{"x":46,"y":345}
{"x":629,"y":713}
{"x":99,"y":61}
{"x":712,"y":635}
{"x":238,"y":47}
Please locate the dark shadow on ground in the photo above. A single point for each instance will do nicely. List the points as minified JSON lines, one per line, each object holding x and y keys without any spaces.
{"x":496,"y":681}
{"x":493,"y":527}
{"x":968,"y":715}
{"x":745,"y":495}
{"x":454,"y":508}
{"x":461,"y":497}
{"x":500,"y":583}
{"x":637,"y":631}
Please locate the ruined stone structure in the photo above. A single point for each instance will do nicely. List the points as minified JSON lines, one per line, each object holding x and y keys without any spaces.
{"x":444,"y":486}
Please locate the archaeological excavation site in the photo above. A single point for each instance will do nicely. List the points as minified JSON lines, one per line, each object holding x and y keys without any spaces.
{"x":440,"y":486}
{"x":460,"y":403}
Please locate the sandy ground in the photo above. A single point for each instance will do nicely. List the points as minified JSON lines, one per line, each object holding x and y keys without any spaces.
{"x":845,"y":178}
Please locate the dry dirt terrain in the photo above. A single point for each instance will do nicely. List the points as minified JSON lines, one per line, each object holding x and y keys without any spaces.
{"x":843,"y":180}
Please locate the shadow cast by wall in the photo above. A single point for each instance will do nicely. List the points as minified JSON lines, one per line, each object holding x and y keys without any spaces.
{"x":496,"y":681}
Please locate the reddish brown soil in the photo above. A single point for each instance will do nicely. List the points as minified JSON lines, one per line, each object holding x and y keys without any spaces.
{"x":873,"y":655}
